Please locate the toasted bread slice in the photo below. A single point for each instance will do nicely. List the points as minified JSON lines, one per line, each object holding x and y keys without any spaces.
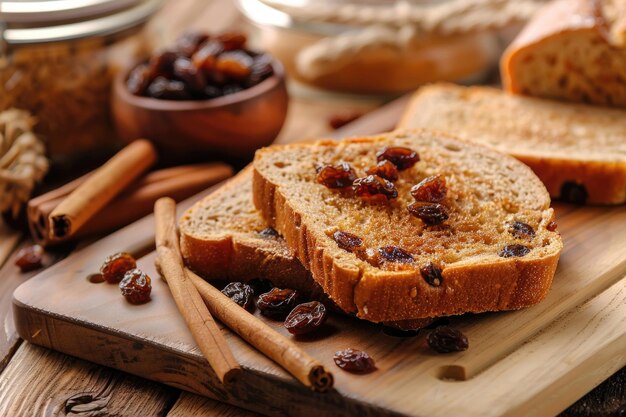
{"x":224,"y":238}
{"x":573,"y":50}
{"x":577,"y":150}
{"x":488,"y":193}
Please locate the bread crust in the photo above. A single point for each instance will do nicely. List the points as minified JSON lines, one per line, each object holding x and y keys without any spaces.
{"x":604,"y":181}
{"x":506,"y":284}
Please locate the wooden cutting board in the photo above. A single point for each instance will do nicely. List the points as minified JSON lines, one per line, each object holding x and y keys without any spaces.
{"x":533,"y":362}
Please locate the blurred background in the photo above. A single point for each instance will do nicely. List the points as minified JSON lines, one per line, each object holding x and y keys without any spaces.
{"x":59,"y":58}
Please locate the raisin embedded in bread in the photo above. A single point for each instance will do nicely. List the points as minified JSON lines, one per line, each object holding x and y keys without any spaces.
{"x":577,"y":150}
{"x":573,"y":50}
{"x":481,"y":261}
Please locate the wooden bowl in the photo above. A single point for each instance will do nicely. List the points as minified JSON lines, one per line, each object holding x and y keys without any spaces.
{"x":233,"y":126}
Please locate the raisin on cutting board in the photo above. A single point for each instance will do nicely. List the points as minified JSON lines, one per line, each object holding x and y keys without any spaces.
{"x":277,"y":303}
{"x":240,"y":293}
{"x":444,"y":339}
{"x":136,"y":286}
{"x":29,"y":258}
{"x":306,"y":318}
{"x":115,"y":267}
{"x":355,"y":361}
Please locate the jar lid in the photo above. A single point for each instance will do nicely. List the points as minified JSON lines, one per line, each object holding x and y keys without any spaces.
{"x":41,"y":21}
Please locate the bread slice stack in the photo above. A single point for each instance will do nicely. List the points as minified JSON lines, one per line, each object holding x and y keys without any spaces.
{"x":577,"y":150}
{"x":572,"y":50}
{"x":496,"y":250}
{"x":225,"y":239}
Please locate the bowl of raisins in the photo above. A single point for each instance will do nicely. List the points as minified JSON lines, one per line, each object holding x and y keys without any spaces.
{"x":209,"y":94}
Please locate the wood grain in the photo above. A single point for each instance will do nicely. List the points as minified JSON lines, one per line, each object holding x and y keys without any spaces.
{"x":10,"y":278}
{"x":45,"y":383}
{"x":191,"y":405}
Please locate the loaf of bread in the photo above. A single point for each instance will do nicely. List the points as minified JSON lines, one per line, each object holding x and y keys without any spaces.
{"x":223,"y":238}
{"x":496,"y":248}
{"x":572,"y":50}
{"x":577,"y":150}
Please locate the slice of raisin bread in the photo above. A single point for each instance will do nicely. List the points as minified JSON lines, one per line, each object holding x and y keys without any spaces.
{"x":573,"y":50}
{"x":577,"y":150}
{"x":484,"y":245}
{"x":224,"y":238}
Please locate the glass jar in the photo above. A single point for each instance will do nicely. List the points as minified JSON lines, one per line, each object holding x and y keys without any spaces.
{"x":367,"y":46}
{"x":58,"y":59}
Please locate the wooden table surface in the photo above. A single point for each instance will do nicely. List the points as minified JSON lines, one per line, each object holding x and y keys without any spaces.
{"x":41,"y":382}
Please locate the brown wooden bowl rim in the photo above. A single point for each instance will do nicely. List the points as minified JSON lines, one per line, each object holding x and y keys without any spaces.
{"x":185,"y":105}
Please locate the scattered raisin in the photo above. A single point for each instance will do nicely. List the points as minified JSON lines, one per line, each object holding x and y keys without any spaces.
{"x":190,"y":42}
{"x":521,"y":230}
{"x":260,"y":285}
{"x":445,"y":339}
{"x":384,"y":169}
{"x":552,"y":226}
{"x":403,"y":158}
{"x":347,"y":241}
{"x":29,"y":258}
{"x":514,"y":250}
{"x":336,"y":176}
{"x":240,"y":293}
{"x":573,"y":192}
{"x":374,"y":187}
{"x":395,"y":254}
{"x":277,"y":303}
{"x":269,"y":232}
{"x":234,"y":65}
{"x":432,"y":189}
{"x":136,"y":286}
{"x":305,"y":318}
{"x":355,"y":361}
{"x":232,"y":40}
{"x":116,"y":265}
{"x":430,"y":213}
{"x":340,"y":120}
{"x":432,"y":274}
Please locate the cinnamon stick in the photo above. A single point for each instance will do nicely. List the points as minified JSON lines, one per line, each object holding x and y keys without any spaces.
{"x":130,"y":205}
{"x":272,"y":344}
{"x":100,"y":188}
{"x":205,"y":331}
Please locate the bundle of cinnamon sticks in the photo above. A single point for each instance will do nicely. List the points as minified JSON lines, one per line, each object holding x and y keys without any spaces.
{"x":114,"y":195}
